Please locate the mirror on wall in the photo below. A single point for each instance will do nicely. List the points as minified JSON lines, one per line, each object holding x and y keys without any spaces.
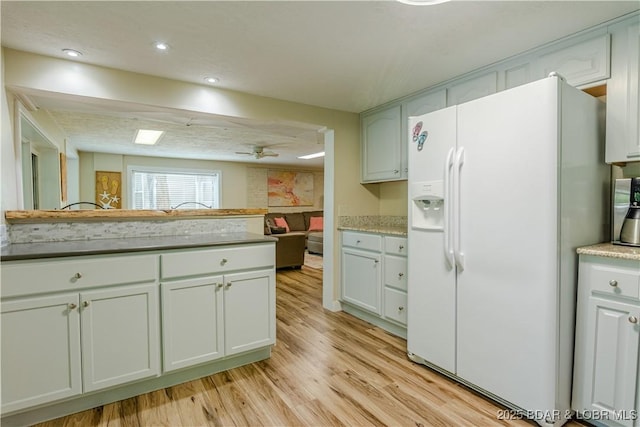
{"x":40,"y":162}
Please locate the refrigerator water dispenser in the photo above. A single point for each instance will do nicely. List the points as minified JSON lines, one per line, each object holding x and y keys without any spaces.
{"x":428,"y":205}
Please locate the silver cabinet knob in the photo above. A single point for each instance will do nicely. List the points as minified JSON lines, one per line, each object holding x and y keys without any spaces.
{"x":357,"y":242}
{"x":400,"y":248}
{"x":86,"y":304}
{"x":400,"y":275}
{"x":219,"y":285}
{"x":396,"y":171}
{"x":77,"y":276}
{"x":633,"y":319}
{"x":400,"y":308}
{"x":613,"y":283}
{"x":224,"y":261}
{"x":229,"y":285}
{"x":73,"y":306}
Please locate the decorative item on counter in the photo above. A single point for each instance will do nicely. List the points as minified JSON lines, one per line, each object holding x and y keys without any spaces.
{"x":109,"y":189}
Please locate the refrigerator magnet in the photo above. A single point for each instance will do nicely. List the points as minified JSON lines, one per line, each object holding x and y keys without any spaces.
{"x":416,"y":131}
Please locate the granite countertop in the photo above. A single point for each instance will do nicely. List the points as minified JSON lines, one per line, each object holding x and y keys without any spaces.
{"x":382,"y":229}
{"x":611,"y":251}
{"x":20,"y":251}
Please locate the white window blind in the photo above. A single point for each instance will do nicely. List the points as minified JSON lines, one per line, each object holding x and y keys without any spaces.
{"x":174,"y":190}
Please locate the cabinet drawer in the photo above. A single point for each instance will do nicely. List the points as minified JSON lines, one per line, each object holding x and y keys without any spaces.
{"x":62,"y":274}
{"x":395,"y":305}
{"x":216,"y":261}
{"x":395,"y":272}
{"x":371,"y":242}
{"x":614,"y":280}
{"x":395,"y":245}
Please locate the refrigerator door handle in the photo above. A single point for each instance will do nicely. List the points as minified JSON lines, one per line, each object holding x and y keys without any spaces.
{"x":448,"y":209}
{"x":457,"y":251}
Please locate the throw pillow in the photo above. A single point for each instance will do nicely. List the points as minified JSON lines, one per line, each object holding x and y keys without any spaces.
{"x":316,"y":223}
{"x":281,"y":222}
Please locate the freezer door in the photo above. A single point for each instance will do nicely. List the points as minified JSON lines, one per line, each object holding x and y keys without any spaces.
{"x":431,"y":276}
{"x":507,"y":292}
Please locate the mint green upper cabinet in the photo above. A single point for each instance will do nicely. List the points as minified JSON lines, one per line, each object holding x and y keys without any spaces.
{"x":473,"y":88}
{"x":580,"y":63}
{"x":381,"y":145}
{"x":623,"y":95}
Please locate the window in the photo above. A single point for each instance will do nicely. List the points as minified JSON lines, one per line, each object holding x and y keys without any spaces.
{"x":173,"y":189}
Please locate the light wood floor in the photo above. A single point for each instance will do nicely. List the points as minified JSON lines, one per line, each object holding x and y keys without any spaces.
{"x":327,"y":369}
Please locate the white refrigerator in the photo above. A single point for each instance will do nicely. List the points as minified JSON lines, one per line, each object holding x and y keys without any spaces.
{"x":502,"y":190}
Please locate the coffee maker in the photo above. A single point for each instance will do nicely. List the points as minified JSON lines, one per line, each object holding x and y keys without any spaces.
{"x":626,"y":212}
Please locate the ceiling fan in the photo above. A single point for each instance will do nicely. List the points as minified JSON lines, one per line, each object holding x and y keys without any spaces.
{"x":258,"y":153}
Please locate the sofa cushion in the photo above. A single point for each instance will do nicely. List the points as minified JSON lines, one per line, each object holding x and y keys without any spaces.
{"x":307,"y":217}
{"x":281,"y":222}
{"x":316,"y":223}
{"x":296,"y":221}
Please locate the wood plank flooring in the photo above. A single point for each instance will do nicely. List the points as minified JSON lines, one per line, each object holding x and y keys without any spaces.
{"x":327,"y":369}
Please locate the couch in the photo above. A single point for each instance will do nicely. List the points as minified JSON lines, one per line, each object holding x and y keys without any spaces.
{"x":293,"y":230}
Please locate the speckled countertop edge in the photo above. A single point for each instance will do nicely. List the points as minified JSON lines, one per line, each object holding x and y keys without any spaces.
{"x":610,"y":250}
{"x":382,"y":229}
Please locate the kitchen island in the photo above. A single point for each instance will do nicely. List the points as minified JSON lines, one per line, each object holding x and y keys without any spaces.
{"x":91,"y":321}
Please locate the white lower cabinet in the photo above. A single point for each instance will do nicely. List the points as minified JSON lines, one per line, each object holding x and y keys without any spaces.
{"x":607,"y":341}
{"x":40,"y":350}
{"x":374,"y":279}
{"x":59,"y":346}
{"x":210,"y":317}
{"x":91,"y":324}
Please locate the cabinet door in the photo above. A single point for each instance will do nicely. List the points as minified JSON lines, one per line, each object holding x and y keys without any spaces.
{"x":381,"y":145}
{"x":191,"y":322}
{"x":581,"y":63}
{"x":120,"y":337}
{"x":361,"y":279}
{"x":611,"y":362}
{"x":623,"y":94}
{"x":477,"y":87}
{"x":40,"y":350}
{"x":249,"y":311}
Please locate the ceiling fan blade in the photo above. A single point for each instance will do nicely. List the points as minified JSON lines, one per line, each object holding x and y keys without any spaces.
{"x":270,"y":154}
{"x":244,"y":152}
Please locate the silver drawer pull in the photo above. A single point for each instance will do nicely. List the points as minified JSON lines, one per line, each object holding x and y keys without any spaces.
{"x":77,"y":276}
{"x":400,"y":308}
{"x":613,"y":283}
{"x":357,"y":242}
{"x":220,"y":285}
{"x":400,"y":248}
{"x":86,"y":304}
{"x":224,"y":261}
{"x":229,"y":285}
{"x":400,"y":275}
{"x":633,"y":319}
{"x":73,"y":306}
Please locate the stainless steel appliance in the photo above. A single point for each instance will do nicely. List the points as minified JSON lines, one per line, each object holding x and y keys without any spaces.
{"x":626,"y":212}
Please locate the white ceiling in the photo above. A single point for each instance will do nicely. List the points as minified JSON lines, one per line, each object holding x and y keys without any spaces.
{"x":345,"y":55}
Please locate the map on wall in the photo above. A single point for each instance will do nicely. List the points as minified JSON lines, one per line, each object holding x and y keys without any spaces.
{"x":290,"y":188}
{"x":109,"y":189}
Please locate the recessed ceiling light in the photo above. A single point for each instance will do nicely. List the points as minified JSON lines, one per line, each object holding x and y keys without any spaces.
{"x":147,"y":137}
{"x":312,"y":156}
{"x":162,"y":46}
{"x":211,"y":79}
{"x":72,"y":53}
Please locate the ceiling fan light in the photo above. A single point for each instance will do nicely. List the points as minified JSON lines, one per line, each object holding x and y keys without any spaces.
{"x":147,"y":136}
{"x":312,"y":156}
